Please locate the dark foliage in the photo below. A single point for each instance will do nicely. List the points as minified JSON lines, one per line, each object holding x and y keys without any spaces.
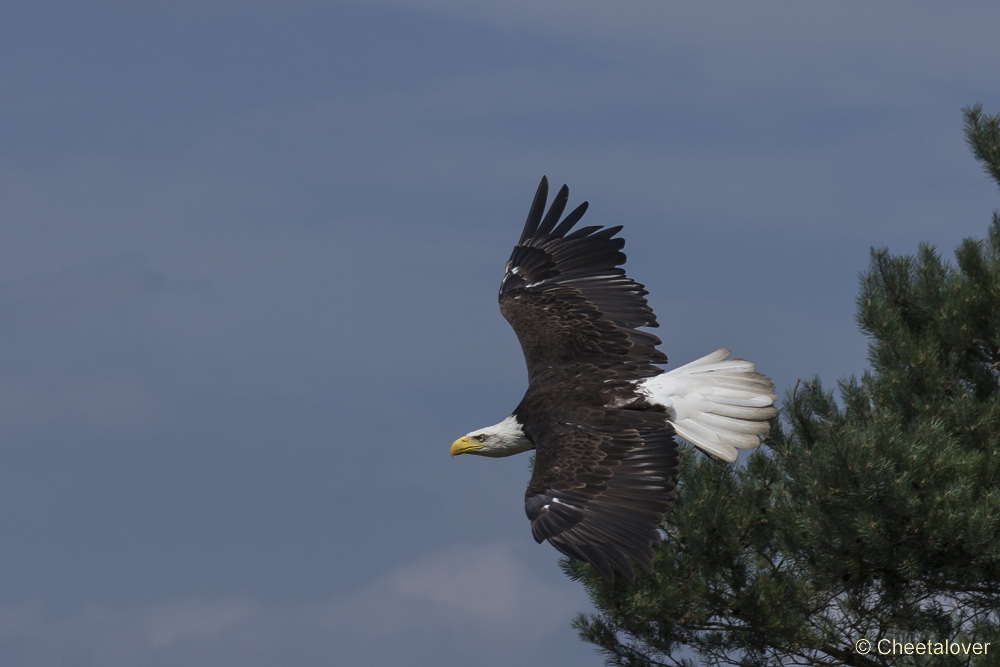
{"x":874,"y":516}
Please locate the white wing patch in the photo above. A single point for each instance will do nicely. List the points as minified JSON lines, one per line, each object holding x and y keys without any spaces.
{"x":717,"y":404}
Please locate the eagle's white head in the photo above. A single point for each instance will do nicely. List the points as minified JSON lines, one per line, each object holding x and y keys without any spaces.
{"x":503,"y":439}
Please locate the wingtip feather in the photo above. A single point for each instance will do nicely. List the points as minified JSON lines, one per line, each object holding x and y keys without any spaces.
{"x":536,"y":210}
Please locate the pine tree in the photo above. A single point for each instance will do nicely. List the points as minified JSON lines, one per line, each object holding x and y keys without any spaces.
{"x":876,"y":516}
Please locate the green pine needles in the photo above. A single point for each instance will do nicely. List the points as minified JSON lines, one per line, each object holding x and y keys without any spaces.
{"x":875,"y":517}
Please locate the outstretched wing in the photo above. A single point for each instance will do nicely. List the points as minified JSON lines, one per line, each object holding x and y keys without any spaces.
{"x":568,"y":299}
{"x":605,"y":463}
{"x":602,"y":483}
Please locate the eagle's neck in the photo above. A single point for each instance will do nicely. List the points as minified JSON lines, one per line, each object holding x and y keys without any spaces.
{"x":506,"y":438}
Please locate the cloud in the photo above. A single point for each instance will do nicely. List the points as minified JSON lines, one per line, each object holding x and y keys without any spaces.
{"x":467,"y":601}
{"x":188,"y":619}
{"x":483,"y":590}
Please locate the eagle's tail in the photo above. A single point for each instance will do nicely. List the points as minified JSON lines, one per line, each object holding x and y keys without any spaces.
{"x":715,"y":403}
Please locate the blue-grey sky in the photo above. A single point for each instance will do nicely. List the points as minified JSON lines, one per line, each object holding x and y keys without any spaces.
{"x":249,"y":255}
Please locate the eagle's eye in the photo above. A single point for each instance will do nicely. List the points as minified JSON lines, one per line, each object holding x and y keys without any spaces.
{"x":481,"y":437}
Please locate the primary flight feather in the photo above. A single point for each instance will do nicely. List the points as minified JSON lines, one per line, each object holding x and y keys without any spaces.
{"x":599,"y":411}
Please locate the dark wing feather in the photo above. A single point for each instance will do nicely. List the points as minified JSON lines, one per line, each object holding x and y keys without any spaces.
{"x":555,"y":212}
{"x":603,"y":481}
{"x":568,"y":299}
{"x":536,"y":210}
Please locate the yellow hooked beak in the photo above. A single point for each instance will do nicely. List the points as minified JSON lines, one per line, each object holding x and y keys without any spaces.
{"x":463,"y":445}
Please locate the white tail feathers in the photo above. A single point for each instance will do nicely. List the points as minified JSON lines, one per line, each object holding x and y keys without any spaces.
{"x":717,"y":404}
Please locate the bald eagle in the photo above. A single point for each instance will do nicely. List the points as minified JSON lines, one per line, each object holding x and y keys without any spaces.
{"x":599,"y":411}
